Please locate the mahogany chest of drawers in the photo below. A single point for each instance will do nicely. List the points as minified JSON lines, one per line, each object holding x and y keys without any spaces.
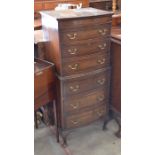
{"x":79,"y":45}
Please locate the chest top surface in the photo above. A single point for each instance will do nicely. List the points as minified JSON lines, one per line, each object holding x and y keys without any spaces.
{"x":76,"y":13}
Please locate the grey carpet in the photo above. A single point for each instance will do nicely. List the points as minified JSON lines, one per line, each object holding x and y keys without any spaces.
{"x":89,"y":140}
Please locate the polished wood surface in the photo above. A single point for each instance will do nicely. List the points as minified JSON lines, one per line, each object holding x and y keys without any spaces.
{"x":115,"y":84}
{"x":82,"y":50}
{"x":116,"y":33}
{"x":85,"y":83}
{"x":44,"y":83}
{"x":116,"y":19}
{"x":75,"y":36}
{"x":76,"y":13}
{"x":115,"y":106}
{"x":79,"y":102}
{"x":116,"y":68}
{"x":79,"y":81}
{"x":87,"y":117}
{"x":82,"y":64}
{"x":45,"y":92}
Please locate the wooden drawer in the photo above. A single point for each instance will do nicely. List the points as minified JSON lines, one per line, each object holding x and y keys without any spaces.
{"x":43,"y":79}
{"x":82,"y":84}
{"x":45,"y":98}
{"x":80,"y":102}
{"x":86,"y":117}
{"x":79,"y":23}
{"x":76,"y":36}
{"x":86,"y":47}
{"x":85,"y":64}
{"x":38,"y":6}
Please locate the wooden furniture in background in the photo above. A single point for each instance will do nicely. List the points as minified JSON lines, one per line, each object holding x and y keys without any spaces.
{"x":51,"y":4}
{"x":79,"y":45}
{"x":39,"y":44}
{"x":114,"y":5}
{"x":44,"y":88}
{"x":116,"y":75}
{"x":44,"y":83}
{"x":116,"y":20}
{"x":40,"y":5}
{"x":101,"y":4}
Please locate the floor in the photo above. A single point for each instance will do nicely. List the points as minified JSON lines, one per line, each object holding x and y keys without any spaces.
{"x":89,"y":140}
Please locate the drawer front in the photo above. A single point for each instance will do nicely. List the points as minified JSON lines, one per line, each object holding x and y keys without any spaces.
{"x":86,"y":47}
{"x":79,"y":23}
{"x":85,"y":64}
{"x":43,"y":82}
{"x":78,"y":103}
{"x":45,"y":98}
{"x":75,"y":36}
{"x":79,"y":85}
{"x":85,"y":118}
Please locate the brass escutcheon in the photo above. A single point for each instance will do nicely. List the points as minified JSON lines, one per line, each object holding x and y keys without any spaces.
{"x":101,"y":81}
{"x":102,"y":32}
{"x":72,"y":51}
{"x":72,"y":36}
{"x":102,"y":47}
{"x":74,"y":88}
{"x":74,"y":67}
{"x":101,"y":61}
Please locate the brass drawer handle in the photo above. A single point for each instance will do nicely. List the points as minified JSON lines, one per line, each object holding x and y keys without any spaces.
{"x":74,"y":122}
{"x":99,"y":113}
{"x":102,"y":32}
{"x":75,"y":106}
{"x":101,"y":81}
{"x":100,"y":98}
{"x":72,"y":51}
{"x":72,"y":36}
{"x":74,"y":88}
{"x":101,"y":61}
{"x":102,"y":47}
{"x":39,"y":73}
{"x":73,"y":67}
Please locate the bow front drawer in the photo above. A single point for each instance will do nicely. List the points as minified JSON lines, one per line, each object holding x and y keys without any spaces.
{"x":81,"y":84}
{"x":73,"y":36}
{"x":79,"y":23}
{"x":80,"y":102}
{"x":86,"y":117}
{"x":86,"y":48}
{"x":85,"y":64}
